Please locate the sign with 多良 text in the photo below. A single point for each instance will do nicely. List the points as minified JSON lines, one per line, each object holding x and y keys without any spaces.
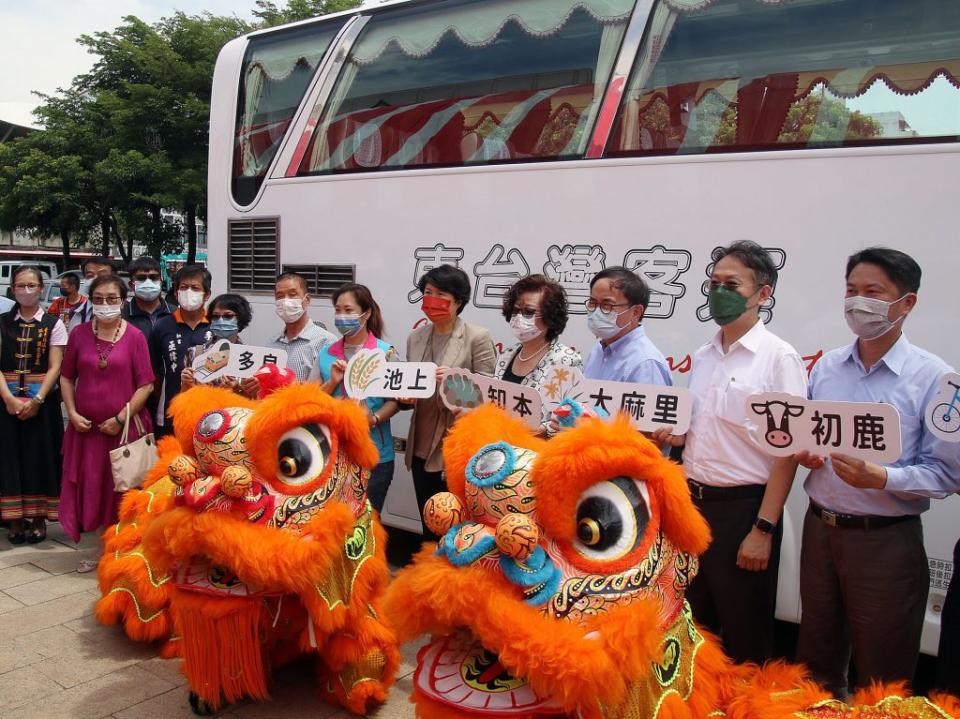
{"x":224,"y":359}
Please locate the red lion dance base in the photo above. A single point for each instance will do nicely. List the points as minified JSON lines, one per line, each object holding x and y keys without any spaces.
{"x":557,"y":590}
{"x":252,"y":543}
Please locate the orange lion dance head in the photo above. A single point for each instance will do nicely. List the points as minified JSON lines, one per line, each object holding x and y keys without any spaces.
{"x":253,"y":543}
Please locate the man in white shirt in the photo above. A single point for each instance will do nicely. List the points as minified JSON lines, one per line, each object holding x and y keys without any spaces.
{"x":301,"y":339}
{"x":731,"y":480}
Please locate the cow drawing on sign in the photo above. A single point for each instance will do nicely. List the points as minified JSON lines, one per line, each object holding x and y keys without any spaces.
{"x":778,"y":414}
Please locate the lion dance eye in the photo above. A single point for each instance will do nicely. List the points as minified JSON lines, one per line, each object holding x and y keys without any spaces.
{"x":302,"y":454}
{"x":611,"y":518}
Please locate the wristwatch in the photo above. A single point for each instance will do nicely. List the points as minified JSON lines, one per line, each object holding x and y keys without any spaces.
{"x":39,"y":398}
{"x":763,"y":525}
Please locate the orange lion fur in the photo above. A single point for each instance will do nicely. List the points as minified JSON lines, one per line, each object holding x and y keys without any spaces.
{"x":301,"y":403}
{"x":614,"y":449}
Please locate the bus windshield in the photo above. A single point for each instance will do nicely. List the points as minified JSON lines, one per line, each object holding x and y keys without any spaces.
{"x":769,"y":74}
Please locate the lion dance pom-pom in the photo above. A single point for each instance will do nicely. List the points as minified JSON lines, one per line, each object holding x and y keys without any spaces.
{"x":252,"y":543}
{"x":557,"y":590}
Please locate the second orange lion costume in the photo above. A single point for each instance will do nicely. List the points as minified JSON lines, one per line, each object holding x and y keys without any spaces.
{"x":557,"y":590}
{"x":253,"y":543}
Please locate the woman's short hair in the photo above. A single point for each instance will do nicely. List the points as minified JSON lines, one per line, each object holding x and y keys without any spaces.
{"x":553,"y":306}
{"x":115,"y":280}
{"x":451,"y":280}
{"x":236,"y":304}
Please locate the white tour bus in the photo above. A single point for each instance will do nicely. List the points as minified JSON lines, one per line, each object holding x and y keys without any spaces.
{"x":511,"y":137}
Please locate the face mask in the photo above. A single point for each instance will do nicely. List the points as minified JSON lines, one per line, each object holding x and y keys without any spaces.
{"x":436,"y":308}
{"x":190,"y":300}
{"x":604,"y":326}
{"x":290,"y":309}
{"x":867,"y":317}
{"x":524,"y":328}
{"x":85,"y":287}
{"x":27,"y":298}
{"x":107,"y":312}
{"x":224,"y":328}
{"x":348,"y":325}
{"x":726,"y":305}
{"x":147,"y":290}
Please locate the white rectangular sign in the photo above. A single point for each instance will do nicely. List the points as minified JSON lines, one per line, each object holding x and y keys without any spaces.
{"x":649,"y":407}
{"x":369,"y":374}
{"x":786,"y":424}
{"x":942,"y":415}
{"x":465,"y":390}
{"x":224,"y":359}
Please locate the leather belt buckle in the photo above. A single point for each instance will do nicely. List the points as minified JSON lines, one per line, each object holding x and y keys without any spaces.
{"x":829,"y":518}
{"x":696,"y":489}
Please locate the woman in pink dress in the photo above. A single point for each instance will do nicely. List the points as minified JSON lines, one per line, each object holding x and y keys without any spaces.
{"x":106,"y":366}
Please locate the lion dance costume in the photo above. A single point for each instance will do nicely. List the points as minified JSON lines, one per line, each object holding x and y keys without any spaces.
{"x":252,"y":543}
{"x":557,"y":590}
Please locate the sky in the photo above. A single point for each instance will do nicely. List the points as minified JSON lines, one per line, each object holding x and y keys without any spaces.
{"x":38,"y":48}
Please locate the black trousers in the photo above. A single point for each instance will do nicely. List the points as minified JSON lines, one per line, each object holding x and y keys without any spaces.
{"x":863,"y":593}
{"x":733,"y":603}
{"x":426,"y":484}
{"x":948,"y":659}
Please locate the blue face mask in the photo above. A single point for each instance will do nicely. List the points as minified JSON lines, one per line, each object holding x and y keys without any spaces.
{"x":224,"y":328}
{"x":348,"y":325}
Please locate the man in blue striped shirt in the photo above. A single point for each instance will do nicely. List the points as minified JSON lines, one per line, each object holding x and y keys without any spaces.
{"x":864,"y":576}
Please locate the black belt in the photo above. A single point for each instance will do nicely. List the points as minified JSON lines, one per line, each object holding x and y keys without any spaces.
{"x":740,"y":491}
{"x":855,"y":521}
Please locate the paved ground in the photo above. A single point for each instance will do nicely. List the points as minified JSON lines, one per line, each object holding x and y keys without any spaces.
{"x":57,"y":661}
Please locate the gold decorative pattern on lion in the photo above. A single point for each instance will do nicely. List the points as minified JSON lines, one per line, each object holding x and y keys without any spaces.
{"x":557,"y":588}
{"x":252,"y":543}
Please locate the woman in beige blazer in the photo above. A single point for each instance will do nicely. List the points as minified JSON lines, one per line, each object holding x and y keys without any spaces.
{"x":449,"y":342}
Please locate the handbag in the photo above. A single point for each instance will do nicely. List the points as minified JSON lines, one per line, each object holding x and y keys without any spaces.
{"x":131,"y":461}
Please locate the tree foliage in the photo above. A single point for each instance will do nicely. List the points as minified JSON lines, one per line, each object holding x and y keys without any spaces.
{"x":128,"y":139}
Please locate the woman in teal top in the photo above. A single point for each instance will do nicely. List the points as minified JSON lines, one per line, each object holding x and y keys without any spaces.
{"x":359,"y":320}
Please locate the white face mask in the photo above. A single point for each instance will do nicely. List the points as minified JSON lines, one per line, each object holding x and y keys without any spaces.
{"x":27,"y":298}
{"x":190,"y":300}
{"x":524,"y":329}
{"x":604,"y":326}
{"x":107,"y":312}
{"x":868,"y":318}
{"x":290,"y":309}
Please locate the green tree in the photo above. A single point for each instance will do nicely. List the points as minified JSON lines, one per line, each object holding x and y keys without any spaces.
{"x":270,"y":14}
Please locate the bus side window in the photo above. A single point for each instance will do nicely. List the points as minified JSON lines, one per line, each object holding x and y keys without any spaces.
{"x":756,"y":74}
{"x":277,"y":69}
{"x":465,"y":82}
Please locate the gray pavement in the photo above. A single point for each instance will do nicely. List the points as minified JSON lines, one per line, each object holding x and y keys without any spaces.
{"x":57,"y":661}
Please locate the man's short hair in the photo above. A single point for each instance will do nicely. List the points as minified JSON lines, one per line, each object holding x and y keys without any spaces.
{"x":144,"y":263}
{"x":294,"y":277}
{"x":629,"y":283}
{"x":190,"y":272}
{"x":754,"y":257}
{"x":72,"y":279}
{"x":97,"y":260}
{"x":901,"y":268}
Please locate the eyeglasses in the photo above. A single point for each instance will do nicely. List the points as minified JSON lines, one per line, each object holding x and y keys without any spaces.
{"x":28,"y":288}
{"x":527,"y":313}
{"x":606,"y":307}
{"x":732,"y":285}
{"x":224,"y":316}
{"x":108,"y":300}
{"x":155,"y":276}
